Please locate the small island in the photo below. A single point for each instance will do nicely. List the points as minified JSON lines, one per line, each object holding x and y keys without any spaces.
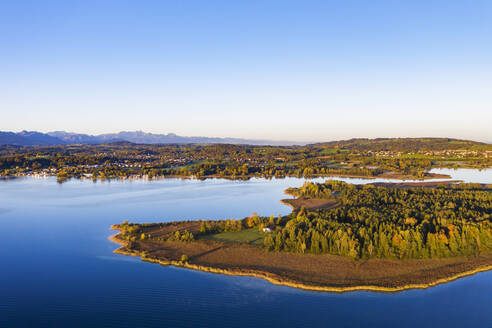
{"x":339,"y":237}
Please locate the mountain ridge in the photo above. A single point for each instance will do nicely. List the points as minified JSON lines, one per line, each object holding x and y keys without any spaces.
{"x":34,"y":138}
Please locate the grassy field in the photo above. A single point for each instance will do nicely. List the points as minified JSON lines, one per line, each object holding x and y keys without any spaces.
{"x":247,"y":236}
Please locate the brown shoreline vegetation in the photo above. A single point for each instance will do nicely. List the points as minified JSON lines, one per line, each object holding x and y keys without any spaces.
{"x":324,"y":272}
{"x":311,"y":204}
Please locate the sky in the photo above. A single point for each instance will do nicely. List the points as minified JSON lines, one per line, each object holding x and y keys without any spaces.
{"x":281,"y":70}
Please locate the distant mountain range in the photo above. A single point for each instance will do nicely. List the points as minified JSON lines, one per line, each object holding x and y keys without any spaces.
{"x":33,"y":138}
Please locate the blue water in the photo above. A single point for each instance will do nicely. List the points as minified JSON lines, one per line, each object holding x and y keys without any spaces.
{"x":57,"y":268}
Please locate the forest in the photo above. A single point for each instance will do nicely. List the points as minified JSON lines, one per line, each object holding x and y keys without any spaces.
{"x":380,"y":222}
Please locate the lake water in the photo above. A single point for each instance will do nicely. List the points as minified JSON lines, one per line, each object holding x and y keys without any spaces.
{"x":57,"y":268}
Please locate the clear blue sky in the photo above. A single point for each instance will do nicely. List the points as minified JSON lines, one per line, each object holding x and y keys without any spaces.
{"x":295,"y":70}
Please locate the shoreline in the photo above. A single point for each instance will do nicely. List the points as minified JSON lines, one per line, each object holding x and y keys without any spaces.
{"x":387,"y":176}
{"x":280,"y":281}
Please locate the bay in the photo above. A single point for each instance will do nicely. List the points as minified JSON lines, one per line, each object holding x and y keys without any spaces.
{"x":57,"y":266}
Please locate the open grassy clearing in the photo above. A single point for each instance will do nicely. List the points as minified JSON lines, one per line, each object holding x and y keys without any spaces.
{"x":247,"y":236}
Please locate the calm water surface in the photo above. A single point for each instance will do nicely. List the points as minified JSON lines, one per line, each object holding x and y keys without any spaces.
{"x":58,"y":270}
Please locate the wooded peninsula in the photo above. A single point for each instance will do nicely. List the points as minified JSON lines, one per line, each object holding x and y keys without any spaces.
{"x":339,"y":237}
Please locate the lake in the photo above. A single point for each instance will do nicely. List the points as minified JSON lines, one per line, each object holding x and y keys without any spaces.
{"x":57,"y":266}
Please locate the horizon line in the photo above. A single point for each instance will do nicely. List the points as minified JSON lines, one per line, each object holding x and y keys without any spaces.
{"x":311,"y":141}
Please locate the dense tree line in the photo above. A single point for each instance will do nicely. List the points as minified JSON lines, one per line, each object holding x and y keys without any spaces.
{"x":389,"y":222}
{"x":253,"y":221}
